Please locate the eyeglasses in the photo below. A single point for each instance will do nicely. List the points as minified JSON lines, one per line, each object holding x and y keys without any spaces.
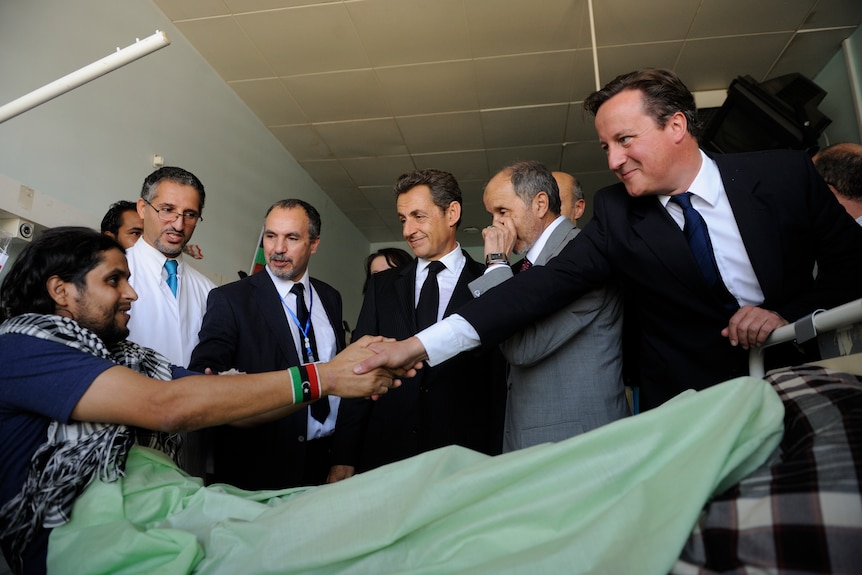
{"x":168,"y":215}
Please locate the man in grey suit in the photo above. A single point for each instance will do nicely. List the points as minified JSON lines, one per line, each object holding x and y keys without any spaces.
{"x":565,"y":375}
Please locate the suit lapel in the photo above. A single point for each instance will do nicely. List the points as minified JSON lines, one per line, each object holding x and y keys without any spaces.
{"x":558,"y":238}
{"x":330,"y":306}
{"x":405,"y":287}
{"x":268,"y":301}
{"x":461,"y":295}
{"x":759,"y":231}
{"x":665,"y":240}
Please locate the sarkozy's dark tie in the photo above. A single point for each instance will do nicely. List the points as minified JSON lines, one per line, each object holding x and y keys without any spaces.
{"x":429,"y":297}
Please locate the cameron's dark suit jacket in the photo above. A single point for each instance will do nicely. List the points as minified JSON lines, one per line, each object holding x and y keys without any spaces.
{"x":458,"y":402}
{"x":788,"y":219}
{"x":245,"y":328}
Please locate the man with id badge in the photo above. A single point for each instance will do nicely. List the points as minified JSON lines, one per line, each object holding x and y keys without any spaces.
{"x":274,"y":319}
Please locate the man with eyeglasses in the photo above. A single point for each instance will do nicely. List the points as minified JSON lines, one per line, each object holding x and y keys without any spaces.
{"x":172,"y":295}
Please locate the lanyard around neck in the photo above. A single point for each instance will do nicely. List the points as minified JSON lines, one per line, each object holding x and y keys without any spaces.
{"x":305,"y":331}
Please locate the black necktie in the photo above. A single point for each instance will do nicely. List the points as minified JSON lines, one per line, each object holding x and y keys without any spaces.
{"x":320,"y":408}
{"x":525,"y":265}
{"x":429,"y":297}
{"x":698,"y":239}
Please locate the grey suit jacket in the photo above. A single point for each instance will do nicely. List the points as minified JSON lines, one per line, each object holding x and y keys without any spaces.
{"x":565,"y":375}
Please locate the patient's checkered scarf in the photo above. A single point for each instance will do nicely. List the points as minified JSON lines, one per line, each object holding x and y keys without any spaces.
{"x":76,"y":452}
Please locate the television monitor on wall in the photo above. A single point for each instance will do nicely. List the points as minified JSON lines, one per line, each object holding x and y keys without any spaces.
{"x":778,"y":113}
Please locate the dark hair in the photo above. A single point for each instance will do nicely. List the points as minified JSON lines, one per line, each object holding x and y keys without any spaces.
{"x":664,"y":95}
{"x":114,"y":215}
{"x":531,"y":177}
{"x":173,"y":174}
{"x":67,"y":252}
{"x":314,"y":222}
{"x":443,"y":185}
{"x":840,"y":165}
{"x":395,"y":257}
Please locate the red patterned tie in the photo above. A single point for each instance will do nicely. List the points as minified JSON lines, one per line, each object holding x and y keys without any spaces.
{"x":525,"y":265}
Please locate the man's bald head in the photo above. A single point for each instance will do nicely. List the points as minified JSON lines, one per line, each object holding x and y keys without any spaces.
{"x":571,"y":196}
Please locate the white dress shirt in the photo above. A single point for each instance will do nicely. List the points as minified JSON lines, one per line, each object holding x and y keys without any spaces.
{"x":709,"y":198}
{"x":160,"y":321}
{"x":324,"y":338}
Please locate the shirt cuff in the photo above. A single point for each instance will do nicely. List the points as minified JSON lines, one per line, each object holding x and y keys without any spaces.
{"x":447,"y":338}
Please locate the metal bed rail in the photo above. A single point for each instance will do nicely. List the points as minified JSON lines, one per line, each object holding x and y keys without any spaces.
{"x":806,"y":328}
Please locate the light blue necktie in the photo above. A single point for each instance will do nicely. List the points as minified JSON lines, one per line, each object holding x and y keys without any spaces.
{"x":171,"y":267}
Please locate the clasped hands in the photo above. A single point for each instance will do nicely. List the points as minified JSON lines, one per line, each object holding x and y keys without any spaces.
{"x":342,"y":376}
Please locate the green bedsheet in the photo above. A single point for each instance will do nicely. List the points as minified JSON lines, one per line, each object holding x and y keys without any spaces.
{"x":620,"y":499}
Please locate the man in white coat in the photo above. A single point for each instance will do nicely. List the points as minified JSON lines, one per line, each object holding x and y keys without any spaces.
{"x":172,"y":295}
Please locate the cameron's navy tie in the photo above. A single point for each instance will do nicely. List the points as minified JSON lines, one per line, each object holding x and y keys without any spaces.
{"x":698,"y":239}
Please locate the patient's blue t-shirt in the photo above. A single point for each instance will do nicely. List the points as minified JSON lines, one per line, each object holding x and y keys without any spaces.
{"x":40,"y":381}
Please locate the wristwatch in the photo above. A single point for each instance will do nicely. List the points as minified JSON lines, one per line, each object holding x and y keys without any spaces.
{"x":496,"y":258}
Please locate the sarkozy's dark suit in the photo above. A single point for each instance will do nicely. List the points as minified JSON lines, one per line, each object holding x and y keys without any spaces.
{"x":458,"y":402}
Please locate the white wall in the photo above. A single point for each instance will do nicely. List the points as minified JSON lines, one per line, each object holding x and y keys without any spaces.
{"x":842,"y":101}
{"x":94,"y":145}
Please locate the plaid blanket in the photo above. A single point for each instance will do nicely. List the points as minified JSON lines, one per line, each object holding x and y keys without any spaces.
{"x":801,"y":511}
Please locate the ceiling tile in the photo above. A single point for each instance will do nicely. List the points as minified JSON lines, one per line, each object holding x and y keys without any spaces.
{"x":363,"y":138}
{"x":616,"y":60}
{"x":226,"y":48}
{"x":382,"y":198}
{"x":369,"y":217}
{"x":359,"y":91}
{"x":303,"y":142}
{"x":430,"y":88}
{"x":722,"y":17}
{"x":270,"y":101}
{"x":348,"y":199}
{"x":628,"y":22}
{"x":350,"y":95}
{"x":526,"y":79}
{"x":376,"y":171}
{"x":550,"y":156}
{"x":441,"y":36}
{"x":502,"y":28}
{"x":242,"y":6}
{"x":524,"y":126}
{"x":712,"y":64}
{"x":328,"y":174}
{"x":471,"y":165}
{"x":580,"y":125}
{"x":442,"y":132}
{"x":184,"y":9}
{"x":305,"y":40}
{"x":809,"y":52}
{"x":828,"y":13}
